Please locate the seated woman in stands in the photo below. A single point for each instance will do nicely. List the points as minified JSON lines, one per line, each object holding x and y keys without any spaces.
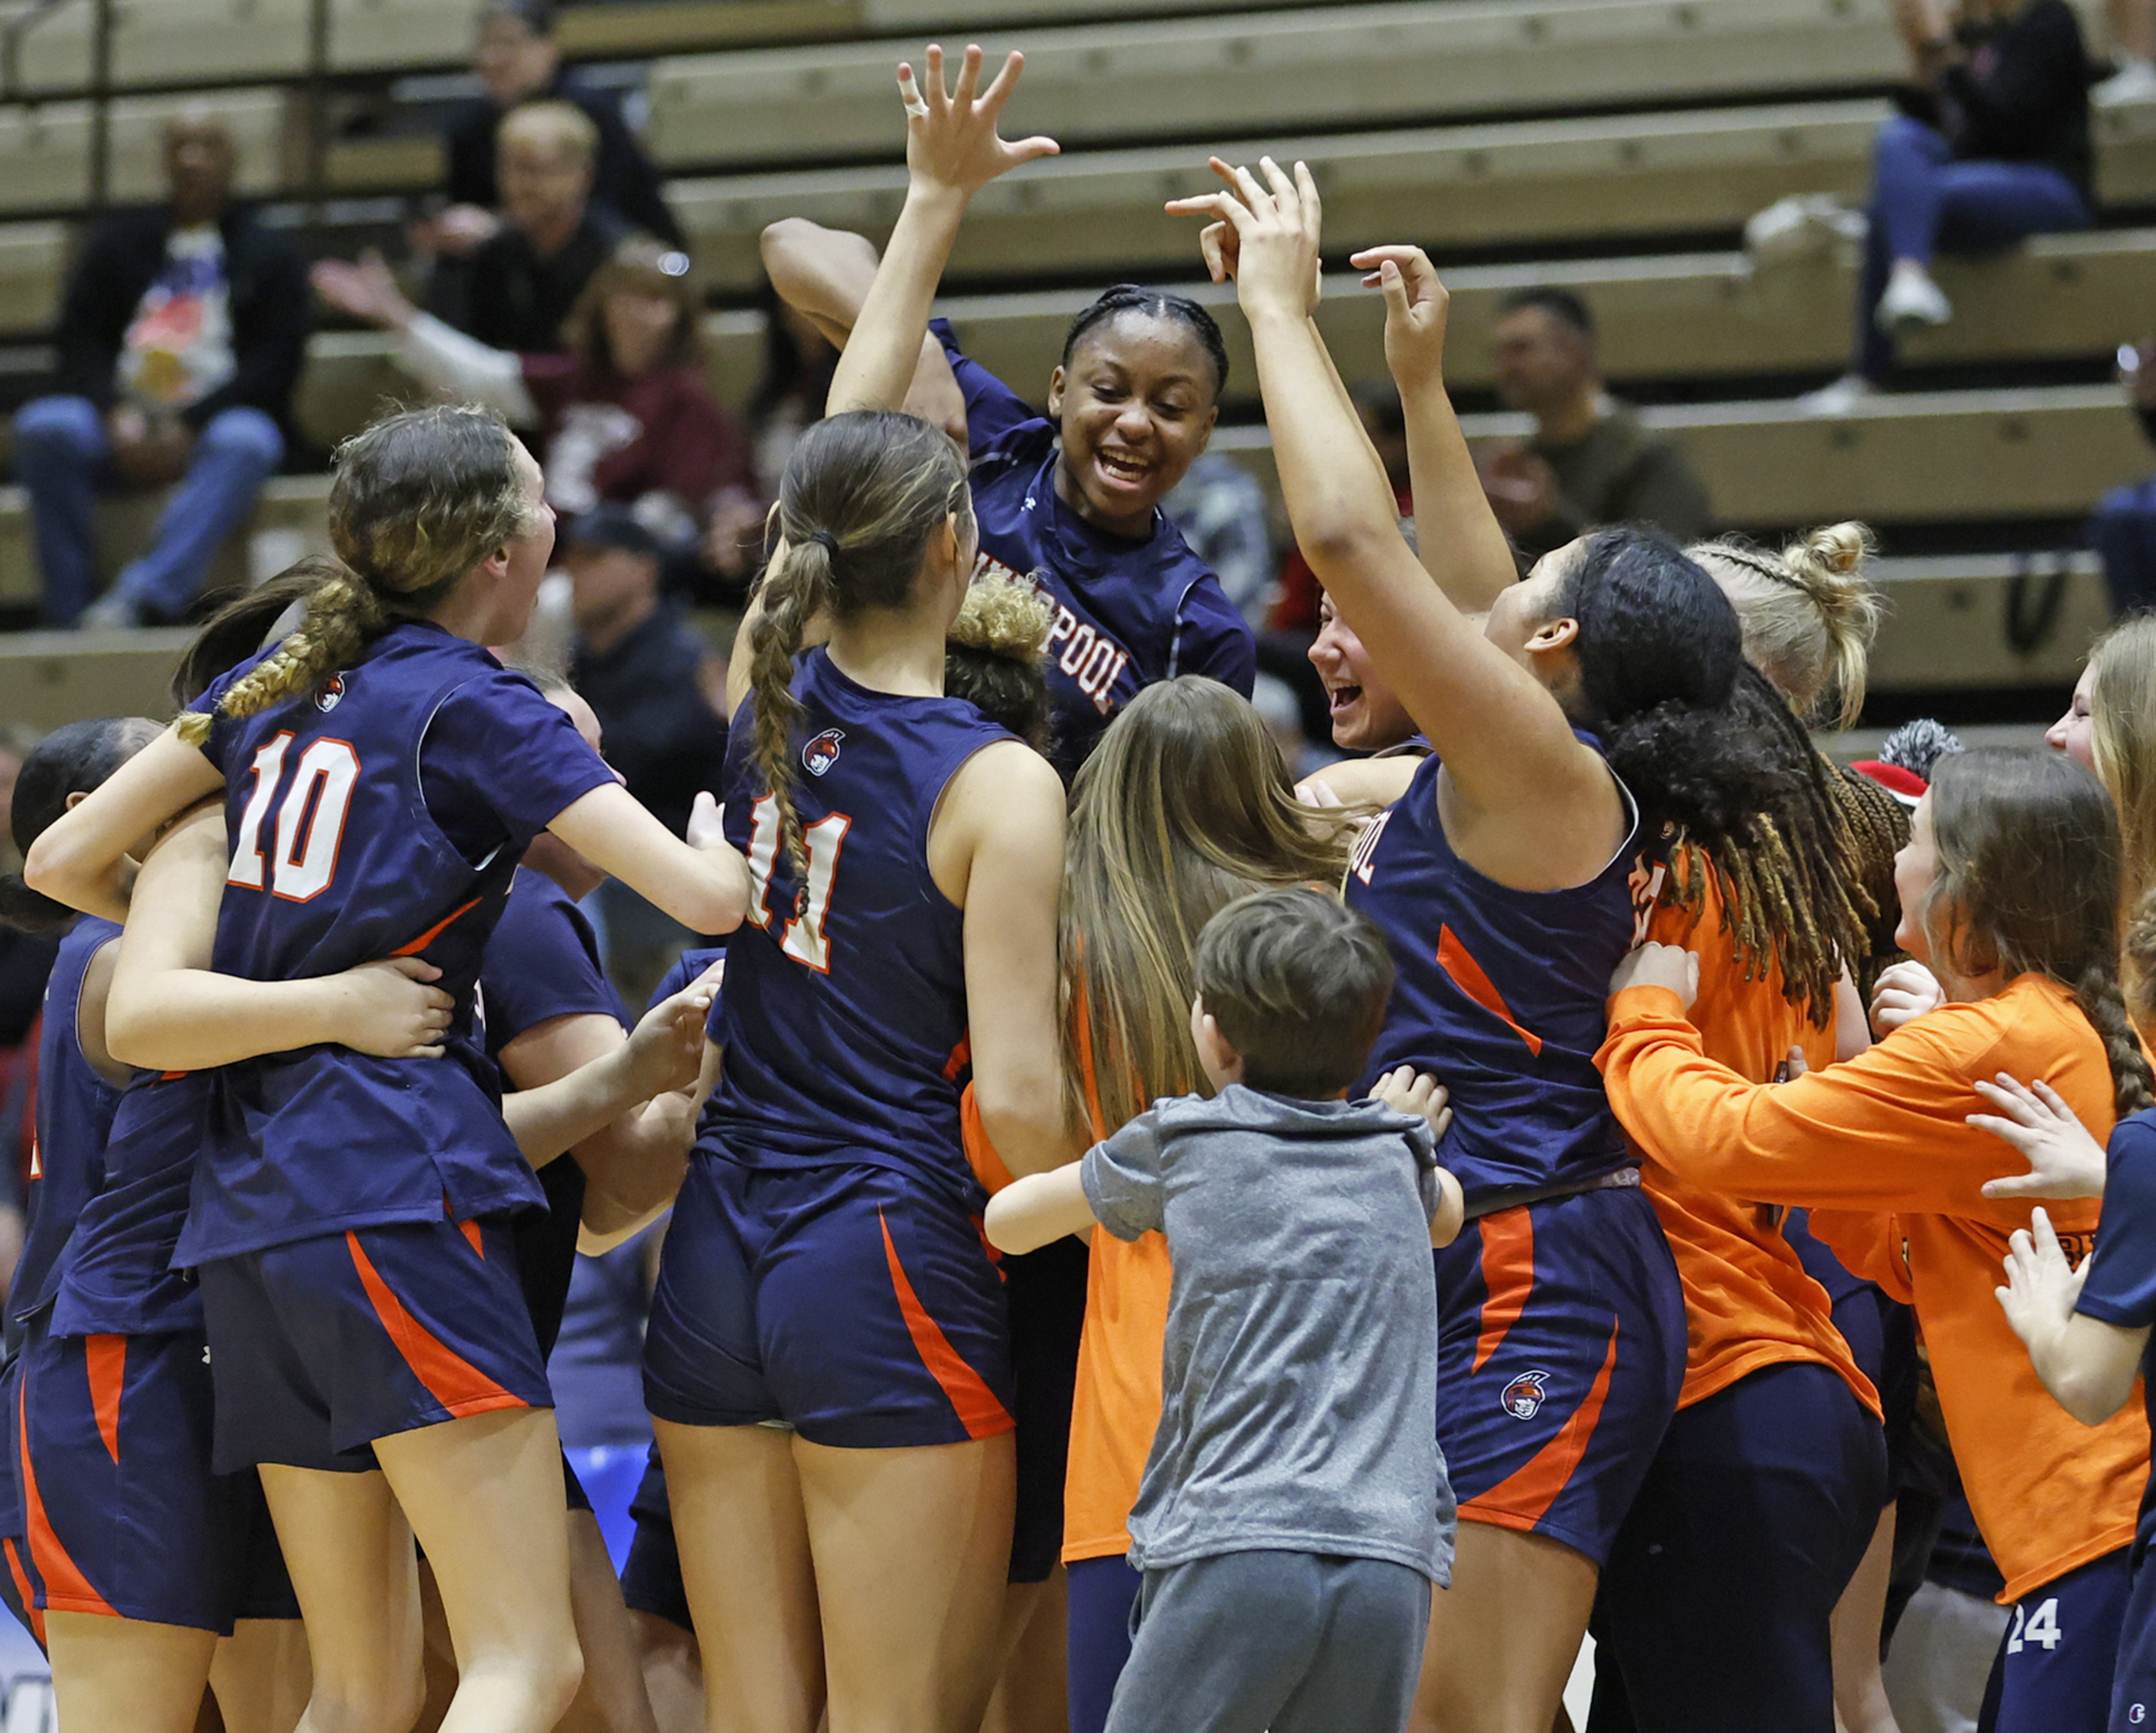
{"x":1992,"y":146}
{"x":626,"y":416}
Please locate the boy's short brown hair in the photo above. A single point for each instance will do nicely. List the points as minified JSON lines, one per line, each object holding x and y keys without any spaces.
{"x":1298,"y":983}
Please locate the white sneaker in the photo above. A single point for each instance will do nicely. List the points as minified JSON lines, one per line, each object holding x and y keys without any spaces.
{"x":1912,"y":298}
{"x":2135,"y":82}
{"x":114,"y":611}
{"x":1839,"y":398}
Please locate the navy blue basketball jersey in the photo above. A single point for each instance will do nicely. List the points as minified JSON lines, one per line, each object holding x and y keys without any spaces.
{"x":75,"y":1108}
{"x":381,"y":814}
{"x":844,"y":1018}
{"x":117,"y":1277}
{"x":1128,"y":614}
{"x":1500,"y":995}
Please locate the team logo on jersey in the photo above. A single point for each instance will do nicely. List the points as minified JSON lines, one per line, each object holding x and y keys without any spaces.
{"x":2137,"y":1714}
{"x":821,"y":753}
{"x":331,"y":693}
{"x":1524,"y":1398}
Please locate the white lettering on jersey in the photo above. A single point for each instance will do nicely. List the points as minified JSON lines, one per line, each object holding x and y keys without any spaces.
{"x":1095,"y":660}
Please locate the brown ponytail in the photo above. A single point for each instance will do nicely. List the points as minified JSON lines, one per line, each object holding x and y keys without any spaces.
{"x":416,"y":501}
{"x":863,"y":496}
{"x":2028,"y":884}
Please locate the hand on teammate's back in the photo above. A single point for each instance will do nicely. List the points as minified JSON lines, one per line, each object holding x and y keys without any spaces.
{"x":1666,"y":966}
{"x":392,"y":1012}
{"x":952,"y":145}
{"x":2065,"y":1161}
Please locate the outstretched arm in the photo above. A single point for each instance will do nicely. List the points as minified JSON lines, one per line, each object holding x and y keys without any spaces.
{"x":1041,"y":1208}
{"x":661,"y":1055}
{"x":952,"y":152}
{"x":1507,"y":746}
{"x":702,"y":883}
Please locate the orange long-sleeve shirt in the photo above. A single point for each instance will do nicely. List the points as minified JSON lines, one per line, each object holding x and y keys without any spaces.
{"x":1748,"y":1302}
{"x":1879,"y":1149}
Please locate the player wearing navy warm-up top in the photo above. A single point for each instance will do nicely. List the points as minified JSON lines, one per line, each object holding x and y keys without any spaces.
{"x":382,"y":775}
{"x":825,"y":1306}
{"x":1607,"y":698}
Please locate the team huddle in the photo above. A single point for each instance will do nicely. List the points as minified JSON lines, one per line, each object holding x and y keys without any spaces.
{"x":1054,"y":1146}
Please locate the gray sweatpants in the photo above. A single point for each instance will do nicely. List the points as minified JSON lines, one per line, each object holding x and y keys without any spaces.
{"x":1295,"y":1642}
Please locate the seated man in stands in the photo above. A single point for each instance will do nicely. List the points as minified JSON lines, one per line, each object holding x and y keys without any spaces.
{"x":181,"y":337}
{"x":519,"y":61}
{"x":517,"y":290}
{"x":2123,"y":530}
{"x":1590,"y":462}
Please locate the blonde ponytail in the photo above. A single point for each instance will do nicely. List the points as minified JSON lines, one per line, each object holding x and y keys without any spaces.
{"x":1808,"y":615}
{"x":796,"y":588}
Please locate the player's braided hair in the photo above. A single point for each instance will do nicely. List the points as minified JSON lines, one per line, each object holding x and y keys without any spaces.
{"x":863,"y":494}
{"x":2029,"y":864}
{"x":416,"y":500}
{"x":1878,"y":826}
{"x":1794,"y":892}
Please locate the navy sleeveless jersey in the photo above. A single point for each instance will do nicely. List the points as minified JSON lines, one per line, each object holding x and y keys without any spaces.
{"x":337,"y":805}
{"x":1128,"y":614}
{"x":542,"y":961}
{"x":1500,"y":997}
{"x":844,"y":1016}
{"x":116,"y":1276}
{"x":75,"y":1108}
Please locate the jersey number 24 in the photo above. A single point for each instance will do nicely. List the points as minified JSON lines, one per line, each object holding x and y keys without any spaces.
{"x":802,"y":938}
{"x":302,"y":853}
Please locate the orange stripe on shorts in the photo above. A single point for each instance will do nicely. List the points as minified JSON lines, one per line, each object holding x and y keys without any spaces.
{"x":451,"y":1380}
{"x":1524,"y":1497}
{"x":23,"y":1592}
{"x":67,"y":1590}
{"x":978,"y":1411}
{"x":1508,"y":1277}
{"x":104,"y":1358}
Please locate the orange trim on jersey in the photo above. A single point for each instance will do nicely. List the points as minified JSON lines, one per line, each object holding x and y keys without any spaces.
{"x":1453,"y":957}
{"x":67,"y":1590}
{"x":470,"y":1232}
{"x":451,"y":1380}
{"x":104,"y":1358}
{"x":1508,"y":1277}
{"x":23,"y":1592}
{"x":978,"y":1411}
{"x":436,"y":931}
{"x":962,"y":1056}
{"x":1524,"y":1497}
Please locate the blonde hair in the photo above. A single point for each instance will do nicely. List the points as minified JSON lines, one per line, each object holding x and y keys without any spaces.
{"x":863,"y":494}
{"x":416,"y":501}
{"x":1808,"y":614}
{"x":2122,"y":732}
{"x":1184,"y":806}
{"x":557,"y":128}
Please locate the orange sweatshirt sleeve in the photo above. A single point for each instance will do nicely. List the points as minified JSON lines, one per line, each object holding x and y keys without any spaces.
{"x":1869,"y":1246}
{"x":1885,"y":1131}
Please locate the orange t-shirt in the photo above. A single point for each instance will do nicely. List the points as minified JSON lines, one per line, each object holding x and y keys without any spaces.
{"x":1879,"y":1149}
{"x":1748,"y":1302}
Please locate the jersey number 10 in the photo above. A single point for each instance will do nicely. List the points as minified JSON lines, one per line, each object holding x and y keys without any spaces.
{"x":304,"y":853}
{"x":803,"y":937}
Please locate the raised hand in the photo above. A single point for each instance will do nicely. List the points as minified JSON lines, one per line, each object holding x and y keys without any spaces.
{"x":1417,"y":306}
{"x":1272,"y":251}
{"x":1651,"y":965}
{"x":366,"y":290}
{"x":952,"y":145}
{"x":2065,"y":1161}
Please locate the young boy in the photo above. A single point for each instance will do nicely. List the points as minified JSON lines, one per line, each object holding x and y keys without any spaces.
{"x":1294,"y":1510}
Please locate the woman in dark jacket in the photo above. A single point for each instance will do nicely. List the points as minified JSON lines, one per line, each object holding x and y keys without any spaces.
{"x":1992,"y":146}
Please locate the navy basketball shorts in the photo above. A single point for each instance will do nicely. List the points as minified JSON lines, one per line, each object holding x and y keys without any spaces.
{"x":2061,"y":1654}
{"x":1046,"y":1289}
{"x":1561,"y":1351}
{"x":854,"y":1304}
{"x":125,"y":1518}
{"x":324,"y":1345}
{"x":651,"y":1575}
{"x":1716,"y":1607}
{"x":2133,"y":1687}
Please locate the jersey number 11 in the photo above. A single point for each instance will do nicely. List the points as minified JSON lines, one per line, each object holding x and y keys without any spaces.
{"x":803,"y":937}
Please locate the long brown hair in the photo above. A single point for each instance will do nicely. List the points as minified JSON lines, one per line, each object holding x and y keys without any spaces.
{"x":863,"y":494}
{"x":416,"y":501}
{"x":2122,"y":732}
{"x":644,"y":266}
{"x":1184,"y":806}
{"x":2028,"y":884}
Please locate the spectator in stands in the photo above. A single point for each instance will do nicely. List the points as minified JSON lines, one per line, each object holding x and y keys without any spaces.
{"x":519,"y":61}
{"x":181,"y":337}
{"x":1590,"y":462}
{"x":2124,"y":530}
{"x":516,"y":289}
{"x":652,"y":681}
{"x":625,"y":416}
{"x":1992,"y":147}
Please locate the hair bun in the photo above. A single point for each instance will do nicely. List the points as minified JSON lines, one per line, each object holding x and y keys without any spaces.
{"x":1006,"y":617}
{"x":1829,"y":562}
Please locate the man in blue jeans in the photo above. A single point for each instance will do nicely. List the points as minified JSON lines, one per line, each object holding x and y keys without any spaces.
{"x":180,"y":340}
